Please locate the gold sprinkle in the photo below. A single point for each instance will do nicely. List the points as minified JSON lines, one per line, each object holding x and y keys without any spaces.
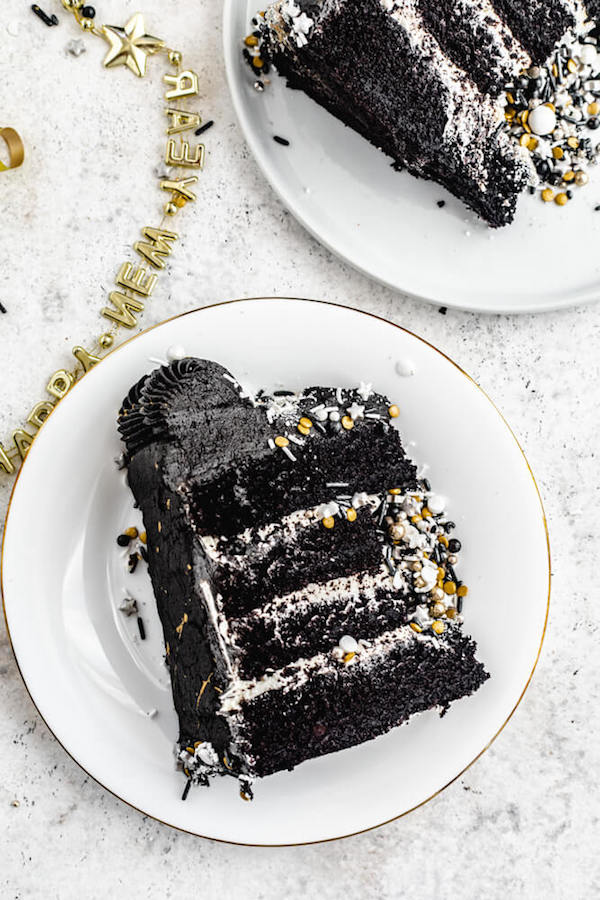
{"x":572,"y":66}
{"x":179,"y":628}
{"x":510,"y":97}
{"x":257,"y":62}
{"x":131,"y":532}
{"x":393,"y":411}
{"x":524,"y":140}
{"x":415,"y":519}
{"x":581,"y":178}
{"x":441,"y":572}
{"x":144,"y":537}
{"x":328,"y":521}
{"x":168,"y":503}
{"x":561,"y":199}
{"x":547,"y":195}
{"x":443,"y":540}
{"x":426,"y":513}
{"x":451,"y":613}
{"x":395,"y":492}
{"x":281,"y":441}
{"x":593,"y":109}
{"x":573,"y":143}
{"x":351,"y":514}
{"x":306,"y":422}
{"x":450,"y":587}
{"x":188,"y":567}
{"x":555,"y":70}
{"x":438,"y":627}
{"x":463,"y":590}
{"x":348,"y":657}
{"x":532,"y":144}
{"x":569,"y":176}
{"x":558,"y":152}
{"x":303,"y":430}
{"x":203,"y":688}
{"x":347,"y":422}
{"x":416,"y":627}
{"x":159,"y":527}
{"x":251,"y":41}
{"x":190,"y":749}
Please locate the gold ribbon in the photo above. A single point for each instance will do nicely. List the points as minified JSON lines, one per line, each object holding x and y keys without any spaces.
{"x":16,"y":150}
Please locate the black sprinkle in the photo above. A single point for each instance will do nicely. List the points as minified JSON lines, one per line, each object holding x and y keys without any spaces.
{"x":2,"y":308}
{"x":186,"y":789}
{"x":459,"y":604}
{"x":597,"y":208}
{"x":144,"y":553}
{"x":449,"y":526}
{"x":134,"y":558}
{"x":141,"y":628}
{"x":441,"y":203}
{"x":204,"y":127}
{"x":279,"y":140}
{"x":443,"y":310}
{"x":48,"y":20}
{"x":123,"y":540}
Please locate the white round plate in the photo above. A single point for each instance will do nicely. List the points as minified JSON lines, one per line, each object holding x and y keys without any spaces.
{"x":96,"y":683}
{"x":388,"y":224}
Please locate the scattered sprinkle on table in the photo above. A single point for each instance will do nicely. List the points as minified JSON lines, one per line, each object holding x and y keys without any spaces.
{"x":48,"y":20}
{"x":2,"y":308}
{"x":441,"y":203}
{"x":443,"y":310}
{"x":279,"y":140}
{"x":141,"y":628}
{"x":204,"y":127}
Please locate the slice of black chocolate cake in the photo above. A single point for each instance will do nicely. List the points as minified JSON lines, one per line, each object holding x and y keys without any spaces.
{"x":303,"y":574}
{"x":445,"y":87}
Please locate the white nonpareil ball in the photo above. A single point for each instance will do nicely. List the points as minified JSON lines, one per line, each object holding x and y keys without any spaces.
{"x":542,"y":120}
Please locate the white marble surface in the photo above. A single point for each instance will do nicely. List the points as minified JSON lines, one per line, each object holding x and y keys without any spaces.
{"x":524,"y":821}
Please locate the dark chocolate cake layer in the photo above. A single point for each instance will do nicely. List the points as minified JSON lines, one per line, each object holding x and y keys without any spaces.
{"x":338,"y":576}
{"x":426,"y":82}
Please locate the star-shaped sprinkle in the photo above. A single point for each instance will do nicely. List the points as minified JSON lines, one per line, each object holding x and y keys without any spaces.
{"x":365,"y":390}
{"x":356,"y":411}
{"x":130,"y":46}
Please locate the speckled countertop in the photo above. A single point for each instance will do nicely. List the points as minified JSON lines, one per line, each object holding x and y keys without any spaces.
{"x":524,"y":821}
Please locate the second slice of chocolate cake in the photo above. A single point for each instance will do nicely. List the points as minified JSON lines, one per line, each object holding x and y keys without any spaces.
{"x":305,"y":578}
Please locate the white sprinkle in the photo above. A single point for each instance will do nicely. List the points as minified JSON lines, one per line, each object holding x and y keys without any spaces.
{"x":372,"y":416}
{"x":542,"y":120}
{"x":338,"y":394}
{"x":356,"y":411}
{"x":436,"y":504}
{"x":230,"y":378}
{"x":334,"y":416}
{"x":365,"y":390}
{"x":337,"y":484}
{"x":405,"y":368}
{"x":13,"y":28}
{"x":152,"y":713}
{"x":157,"y":361}
{"x":348,"y":644}
{"x":272,"y":444}
{"x":289,"y":453}
{"x":296,"y":440}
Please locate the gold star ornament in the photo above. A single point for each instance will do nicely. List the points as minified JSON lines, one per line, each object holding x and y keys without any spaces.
{"x":130,"y":46}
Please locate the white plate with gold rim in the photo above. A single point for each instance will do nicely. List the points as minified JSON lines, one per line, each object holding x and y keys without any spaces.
{"x":105,"y":693}
{"x":388,"y":225}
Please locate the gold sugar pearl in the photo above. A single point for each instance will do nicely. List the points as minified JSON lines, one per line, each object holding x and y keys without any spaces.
{"x":86,"y":24}
{"x":558,"y":152}
{"x":437,"y":610}
{"x":328,"y":521}
{"x":281,"y":441}
{"x":438,"y":627}
{"x":547,"y":195}
{"x":463,"y":590}
{"x":257,"y":62}
{"x":441,"y":572}
{"x":443,"y":540}
{"x":569,"y":176}
{"x":303,"y":429}
{"x":561,"y":199}
{"x":426,"y":513}
{"x":175,"y":58}
{"x":143,"y":537}
{"x":171,"y":209}
{"x":593,"y":109}
{"x":395,"y":492}
{"x":131,"y":533}
{"x":306,"y":423}
{"x":347,"y":423}
{"x":573,"y":143}
{"x":351,"y":514}
{"x":450,"y":587}
{"x":416,"y":627}
{"x":581,"y":178}
{"x":451,"y":612}
{"x":393,"y":411}
{"x":251,"y":41}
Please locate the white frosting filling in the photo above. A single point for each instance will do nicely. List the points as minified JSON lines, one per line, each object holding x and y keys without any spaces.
{"x":295,"y":675}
